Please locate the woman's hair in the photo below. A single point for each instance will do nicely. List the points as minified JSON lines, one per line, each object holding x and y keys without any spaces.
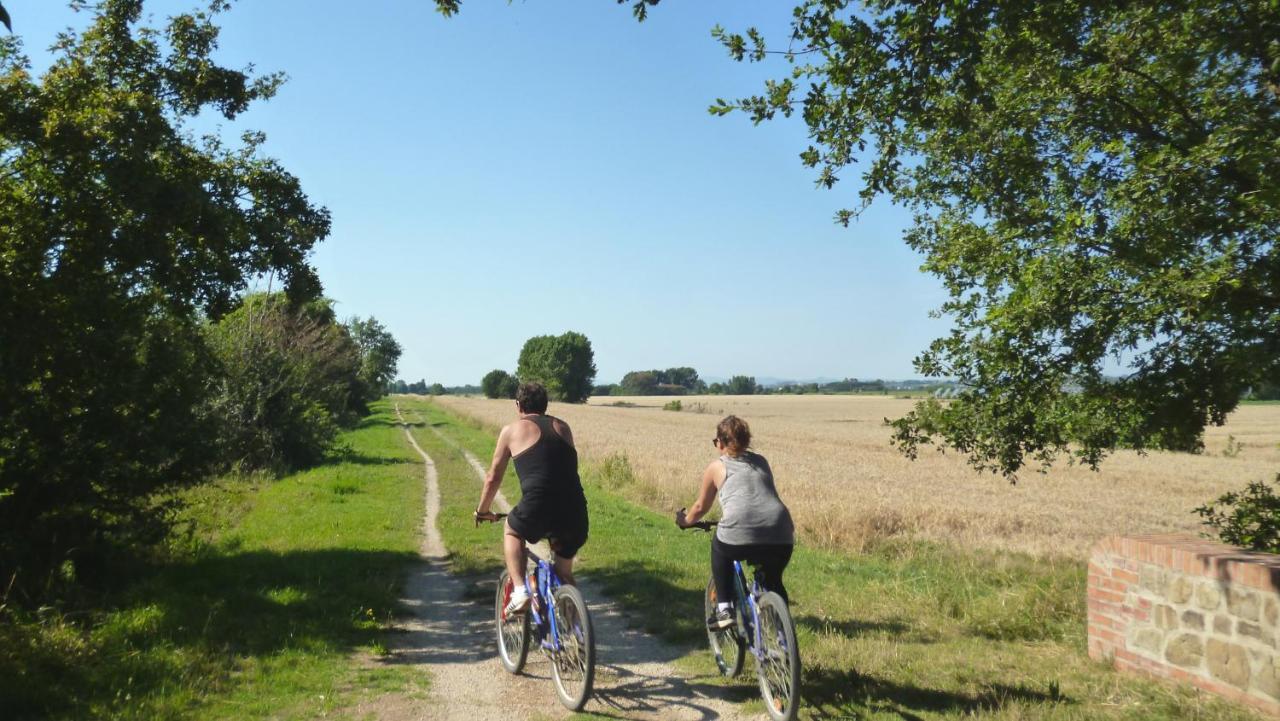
{"x":734,"y":435}
{"x":532,"y":398}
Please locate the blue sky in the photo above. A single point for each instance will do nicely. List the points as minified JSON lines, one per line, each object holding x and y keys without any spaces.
{"x":543,"y":166}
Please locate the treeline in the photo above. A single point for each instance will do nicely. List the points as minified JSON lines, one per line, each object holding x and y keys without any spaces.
{"x":421,"y":387}
{"x":132,"y":362}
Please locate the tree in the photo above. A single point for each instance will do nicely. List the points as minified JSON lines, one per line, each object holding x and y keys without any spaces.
{"x":119,"y":233}
{"x":498,"y":384}
{"x":1094,"y":184}
{"x":640,"y":383}
{"x":289,"y":377}
{"x":379,"y":354}
{"x":741,"y":386}
{"x":565,"y":364}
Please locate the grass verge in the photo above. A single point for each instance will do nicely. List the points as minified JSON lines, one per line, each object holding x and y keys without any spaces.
{"x":905,"y":631}
{"x":257,"y":612}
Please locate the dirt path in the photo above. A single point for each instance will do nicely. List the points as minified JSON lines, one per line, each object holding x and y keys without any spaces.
{"x":451,"y":638}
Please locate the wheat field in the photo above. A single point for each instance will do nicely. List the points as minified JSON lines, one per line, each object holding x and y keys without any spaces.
{"x":847,"y":487}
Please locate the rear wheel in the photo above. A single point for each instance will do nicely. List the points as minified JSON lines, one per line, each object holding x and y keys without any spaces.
{"x":726,"y":644}
{"x":513,"y":631}
{"x":574,"y":665}
{"x":779,"y":664}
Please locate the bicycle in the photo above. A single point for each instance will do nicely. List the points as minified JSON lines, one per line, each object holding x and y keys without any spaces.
{"x":556,"y":619}
{"x":763,"y":626}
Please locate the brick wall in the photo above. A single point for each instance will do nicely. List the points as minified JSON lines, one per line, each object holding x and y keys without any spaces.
{"x":1182,"y":608}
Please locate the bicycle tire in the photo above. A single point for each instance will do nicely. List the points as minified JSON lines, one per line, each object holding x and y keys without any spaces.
{"x":727,"y":646}
{"x":778,"y":665}
{"x":513,"y":632}
{"x":574,"y":666}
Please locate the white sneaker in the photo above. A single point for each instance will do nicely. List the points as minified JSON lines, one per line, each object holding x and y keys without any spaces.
{"x":519,"y":601}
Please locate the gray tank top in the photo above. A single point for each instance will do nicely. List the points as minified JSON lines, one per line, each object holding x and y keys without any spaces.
{"x":751,"y":509}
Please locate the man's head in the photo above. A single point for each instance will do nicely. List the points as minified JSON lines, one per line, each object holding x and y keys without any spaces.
{"x":531,"y":398}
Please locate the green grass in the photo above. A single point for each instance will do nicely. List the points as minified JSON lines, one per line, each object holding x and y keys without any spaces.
{"x":273,"y":604}
{"x":908,"y":631}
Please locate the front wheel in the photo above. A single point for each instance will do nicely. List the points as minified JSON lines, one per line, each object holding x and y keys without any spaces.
{"x":778,"y":664}
{"x":726,"y":644}
{"x":574,"y":664}
{"x":513,"y":631}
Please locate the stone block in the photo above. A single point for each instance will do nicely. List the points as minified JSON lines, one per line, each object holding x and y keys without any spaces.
{"x":1193,"y":620}
{"x":1222,"y":625}
{"x":1243,"y":604}
{"x":1185,"y":650}
{"x":1228,"y":662}
{"x":1148,"y":639}
{"x":1271,"y":611}
{"x":1208,"y":597}
{"x":1166,"y":617}
{"x":1180,"y":589}
{"x":1152,"y":579}
{"x":1255,"y":632}
{"x":1267,"y":680}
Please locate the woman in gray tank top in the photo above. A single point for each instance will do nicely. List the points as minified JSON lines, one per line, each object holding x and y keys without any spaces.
{"x":755,"y":526}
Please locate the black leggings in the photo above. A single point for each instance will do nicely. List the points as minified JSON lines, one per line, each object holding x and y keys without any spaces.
{"x":770,"y":558}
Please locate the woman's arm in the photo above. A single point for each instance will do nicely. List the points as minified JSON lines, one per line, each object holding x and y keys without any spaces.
{"x":712,"y":477}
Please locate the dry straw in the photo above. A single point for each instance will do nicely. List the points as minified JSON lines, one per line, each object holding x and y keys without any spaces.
{"x":848,"y":488}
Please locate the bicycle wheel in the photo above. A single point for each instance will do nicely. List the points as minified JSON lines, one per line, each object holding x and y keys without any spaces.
{"x":513,"y":632}
{"x":574,"y":665}
{"x":727,"y":645}
{"x":778,"y":665}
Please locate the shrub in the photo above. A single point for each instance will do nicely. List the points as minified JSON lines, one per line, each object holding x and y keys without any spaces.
{"x":290,"y":378}
{"x":672,"y":406}
{"x":1248,"y":518}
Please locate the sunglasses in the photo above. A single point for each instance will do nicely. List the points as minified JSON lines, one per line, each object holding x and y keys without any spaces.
{"x":715,"y":442}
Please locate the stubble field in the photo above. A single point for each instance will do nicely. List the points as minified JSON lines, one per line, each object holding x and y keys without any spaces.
{"x":848,"y":488}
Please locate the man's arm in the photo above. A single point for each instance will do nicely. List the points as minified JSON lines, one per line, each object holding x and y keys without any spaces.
{"x":497,"y":469}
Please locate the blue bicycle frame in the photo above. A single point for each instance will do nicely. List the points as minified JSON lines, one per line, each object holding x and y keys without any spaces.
{"x":542,"y":615}
{"x":748,"y":601}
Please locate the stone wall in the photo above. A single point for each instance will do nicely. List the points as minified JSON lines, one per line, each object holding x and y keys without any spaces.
{"x":1182,"y":608}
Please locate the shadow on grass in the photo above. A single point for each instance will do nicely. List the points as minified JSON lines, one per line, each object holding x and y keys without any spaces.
{"x":197,"y":623}
{"x":896,"y":629}
{"x":836,"y":692}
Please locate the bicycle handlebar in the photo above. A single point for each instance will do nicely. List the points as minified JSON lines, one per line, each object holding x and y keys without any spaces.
{"x":701,"y":526}
{"x":489,"y":517}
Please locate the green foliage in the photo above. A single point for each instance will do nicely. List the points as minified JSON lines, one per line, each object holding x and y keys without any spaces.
{"x":675,"y":405}
{"x":1089,"y":180}
{"x":255,"y":610}
{"x":379,"y":354}
{"x":118,"y":232}
{"x":499,"y":384}
{"x":436,"y":389}
{"x":290,"y":377}
{"x":669,"y":382}
{"x":741,"y":386}
{"x":565,"y":364}
{"x":1248,"y":518}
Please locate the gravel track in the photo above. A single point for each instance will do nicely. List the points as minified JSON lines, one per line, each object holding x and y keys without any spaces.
{"x":451,"y":638}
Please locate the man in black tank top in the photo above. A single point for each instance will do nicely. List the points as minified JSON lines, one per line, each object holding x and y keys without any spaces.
{"x":552,"y":504}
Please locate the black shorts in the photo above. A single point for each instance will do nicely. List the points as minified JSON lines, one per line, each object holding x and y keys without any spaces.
{"x":564,"y":525}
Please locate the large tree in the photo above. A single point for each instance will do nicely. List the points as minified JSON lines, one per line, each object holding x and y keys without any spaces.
{"x":119,"y":234}
{"x":1096,"y":184}
{"x":564,"y":363}
{"x":379,"y":354}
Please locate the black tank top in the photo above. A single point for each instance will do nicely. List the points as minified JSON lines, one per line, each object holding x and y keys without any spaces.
{"x":548,"y":469}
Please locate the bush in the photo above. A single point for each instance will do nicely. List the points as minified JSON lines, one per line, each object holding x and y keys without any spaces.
{"x":499,"y":384}
{"x":672,"y":406}
{"x":1248,"y":518}
{"x":290,"y":379}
